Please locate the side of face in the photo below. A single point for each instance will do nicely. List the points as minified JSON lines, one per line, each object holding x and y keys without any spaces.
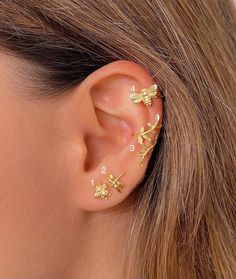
{"x":51,"y":150}
{"x":36,"y":210}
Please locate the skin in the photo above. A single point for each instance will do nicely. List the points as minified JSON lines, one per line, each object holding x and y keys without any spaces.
{"x":51,"y":224}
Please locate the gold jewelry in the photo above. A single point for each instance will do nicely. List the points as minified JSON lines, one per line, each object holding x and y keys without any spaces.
{"x":102,"y":191}
{"x":146,"y":95}
{"x":144,"y":136}
{"x":114,"y":182}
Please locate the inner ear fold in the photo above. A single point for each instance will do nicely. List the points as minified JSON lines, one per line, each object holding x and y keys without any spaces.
{"x":111,"y":94}
{"x":115,"y":137}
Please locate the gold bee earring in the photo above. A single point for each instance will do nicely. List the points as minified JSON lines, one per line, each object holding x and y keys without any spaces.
{"x":102,"y":191}
{"x":115,"y":183}
{"x":147,"y":139}
{"x":146,"y":95}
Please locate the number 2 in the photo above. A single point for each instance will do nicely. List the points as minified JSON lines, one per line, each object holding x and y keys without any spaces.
{"x":103,"y":170}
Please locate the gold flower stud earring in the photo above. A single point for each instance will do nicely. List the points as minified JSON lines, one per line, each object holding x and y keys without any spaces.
{"x":102,"y":191}
{"x":147,"y":139}
{"x":146,"y":95}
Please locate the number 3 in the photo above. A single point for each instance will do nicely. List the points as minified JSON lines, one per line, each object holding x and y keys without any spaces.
{"x":132,"y":148}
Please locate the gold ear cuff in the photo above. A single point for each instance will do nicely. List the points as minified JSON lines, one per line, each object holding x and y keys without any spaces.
{"x":147,"y":139}
{"x":146,"y":95}
{"x":102,"y":190}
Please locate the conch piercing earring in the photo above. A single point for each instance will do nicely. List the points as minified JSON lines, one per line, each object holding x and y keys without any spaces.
{"x":146,"y":95}
{"x":146,"y":141}
{"x":102,"y":191}
{"x":114,"y":182}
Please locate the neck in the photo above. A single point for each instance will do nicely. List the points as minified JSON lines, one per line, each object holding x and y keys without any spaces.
{"x":100,"y":248}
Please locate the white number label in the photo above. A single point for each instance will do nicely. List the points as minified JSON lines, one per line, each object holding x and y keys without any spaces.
{"x":103,"y":170}
{"x":92,"y":182}
{"x":132,"y":148}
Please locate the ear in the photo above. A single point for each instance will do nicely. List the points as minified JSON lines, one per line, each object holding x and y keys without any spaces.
{"x":108,"y":121}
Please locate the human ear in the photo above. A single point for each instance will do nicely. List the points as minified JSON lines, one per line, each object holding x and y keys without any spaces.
{"x":109,"y":122}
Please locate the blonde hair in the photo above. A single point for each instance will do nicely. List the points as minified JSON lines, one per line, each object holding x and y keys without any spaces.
{"x":184,"y":223}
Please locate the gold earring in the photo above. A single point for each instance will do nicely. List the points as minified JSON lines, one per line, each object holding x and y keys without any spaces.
{"x":114,"y":182}
{"x":146,"y":95}
{"x":102,"y":191}
{"x":144,"y":137}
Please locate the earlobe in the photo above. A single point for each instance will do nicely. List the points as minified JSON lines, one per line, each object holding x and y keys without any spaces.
{"x":128,"y":109}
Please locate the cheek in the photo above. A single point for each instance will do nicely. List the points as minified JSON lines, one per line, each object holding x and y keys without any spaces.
{"x":35,"y":209}
{"x":22,"y":164}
